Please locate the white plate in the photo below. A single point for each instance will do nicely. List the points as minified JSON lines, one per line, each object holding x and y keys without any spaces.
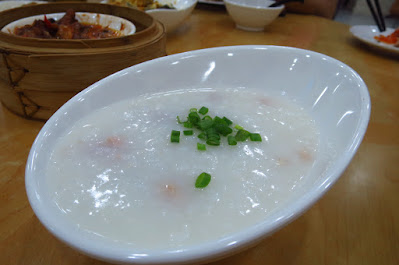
{"x":367,"y":33}
{"x":116,"y":23}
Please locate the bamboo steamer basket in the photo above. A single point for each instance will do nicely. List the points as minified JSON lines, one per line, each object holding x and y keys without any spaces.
{"x":37,"y":76}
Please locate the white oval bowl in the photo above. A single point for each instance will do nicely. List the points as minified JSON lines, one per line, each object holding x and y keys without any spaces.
{"x":104,"y":20}
{"x":334,"y":95}
{"x":252,"y":15}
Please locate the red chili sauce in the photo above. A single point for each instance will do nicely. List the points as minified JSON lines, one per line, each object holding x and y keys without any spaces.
{"x":389,"y":39}
{"x":65,"y":28}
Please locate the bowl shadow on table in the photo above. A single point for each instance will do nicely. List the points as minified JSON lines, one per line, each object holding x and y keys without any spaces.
{"x":210,"y":7}
{"x":182,"y":30}
{"x":231,"y":25}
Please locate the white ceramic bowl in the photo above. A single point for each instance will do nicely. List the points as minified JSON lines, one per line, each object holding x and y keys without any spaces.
{"x":173,"y":18}
{"x":170,"y":18}
{"x":125,"y":27}
{"x":252,"y":15}
{"x":334,"y":95}
{"x":5,"y":5}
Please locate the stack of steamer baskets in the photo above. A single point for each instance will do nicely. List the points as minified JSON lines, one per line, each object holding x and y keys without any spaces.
{"x":37,"y":76}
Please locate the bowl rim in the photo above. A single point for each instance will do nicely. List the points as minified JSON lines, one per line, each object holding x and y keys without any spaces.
{"x":210,"y":250}
{"x":240,"y":3}
{"x":177,"y":10}
{"x":79,"y":15}
{"x":165,"y":10}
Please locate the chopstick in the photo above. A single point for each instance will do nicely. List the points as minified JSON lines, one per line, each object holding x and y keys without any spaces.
{"x":378,"y":17}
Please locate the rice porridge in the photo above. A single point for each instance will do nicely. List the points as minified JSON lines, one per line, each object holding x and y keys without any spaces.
{"x":116,"y":173}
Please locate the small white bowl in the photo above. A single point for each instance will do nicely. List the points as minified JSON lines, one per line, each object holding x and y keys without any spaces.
{"x":334,"y":95}
{"x":5,"y":5}
{"x":252,"y":15}
{"x":125,"y":27}
{"x":173,"y":18}
{"x":170,"y":18}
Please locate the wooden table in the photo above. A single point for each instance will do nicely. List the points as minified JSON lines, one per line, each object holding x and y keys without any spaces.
{"x":356,"y":222}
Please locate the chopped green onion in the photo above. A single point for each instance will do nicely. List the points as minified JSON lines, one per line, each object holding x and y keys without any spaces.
{"x":202,"y":180}
{"x":203,"y":110}
{"x":231,"y":140}
{"x":223,"y":129}
{"x":242,"y":135}
{"x":213,"y":141}
{"x":187,"y":124}
{"x":175,"y":133}
{"x":188,"y":132}
{"x":219,"y":120}
{"x":175,"y":136}
{"x":178,"y":120}
{"x":229,"y":122}
{"x":212,"y":129}
{"x":238,"y":127}
{"x":213,"y":136}
{"x":202,"y":136}
{"x":194,"y":118}
{"x":201,"y":147}
{"x":255,"y":137}
{"x":175,"y":139}
{"x":205,"y":124}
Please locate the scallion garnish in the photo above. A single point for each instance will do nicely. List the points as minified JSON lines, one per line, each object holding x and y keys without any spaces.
{"x":229,"y":122}
{"x":202,"y":136}
{"x":201,"y":147}
{"x":212,"y":129}
{"x":175,"y":136}
{"x":213,"y":141}
{"x":203,"y":110}
{"x":255,"y":137}
{"x":238,"y":127}
{"x":188,"y":132}
{"x":175,"y":133}
{"x":218,"y":120}
{"x":231,"y":140}
{"x":193,"y":118}
{"x":223,"y":129}
{"x":242,"y":135}
{"x":205,"y":124}
{"x":187,"y":124}
{"x":212,"y":133}
{"x":178,"y":120}
{"x":202,"y":180}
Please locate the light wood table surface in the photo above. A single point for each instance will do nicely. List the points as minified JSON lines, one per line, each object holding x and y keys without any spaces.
{"x":356,"y":222}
